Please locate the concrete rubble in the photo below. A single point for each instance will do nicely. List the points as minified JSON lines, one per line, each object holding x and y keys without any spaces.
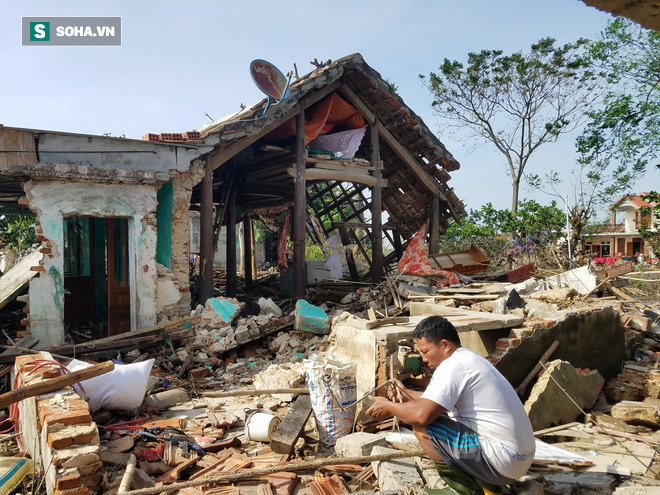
{"x":560,"y":393}
{"x":234,"y":364}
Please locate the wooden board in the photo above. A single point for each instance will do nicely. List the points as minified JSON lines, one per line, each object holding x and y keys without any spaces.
{"x":16,"y":280}
{"x":466,"y":262}
{"x":615,"y":271}
{"x":19,"y":141}
{"x":465,"y":320}
{"x":287,"y":434}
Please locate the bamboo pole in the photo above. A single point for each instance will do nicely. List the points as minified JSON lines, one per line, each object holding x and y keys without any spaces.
{"x":520,"y":389}
{"x":256,"y":392}
{"x":128,"y":475}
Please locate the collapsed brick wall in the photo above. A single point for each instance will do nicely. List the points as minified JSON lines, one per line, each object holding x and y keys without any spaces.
{"x":183,"y":185}
{"x":46,"y":250}
{"x":593,"y":339}
{"x":58,"y":432}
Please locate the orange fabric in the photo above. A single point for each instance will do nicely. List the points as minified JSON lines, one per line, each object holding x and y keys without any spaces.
{"x":415,"y":261}
{"x":332,"y":110}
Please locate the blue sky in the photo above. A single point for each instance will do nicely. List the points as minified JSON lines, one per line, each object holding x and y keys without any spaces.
{"x":180,"y":60}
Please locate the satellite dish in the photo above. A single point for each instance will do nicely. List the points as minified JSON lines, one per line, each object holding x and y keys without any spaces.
{"x":271,"y":81}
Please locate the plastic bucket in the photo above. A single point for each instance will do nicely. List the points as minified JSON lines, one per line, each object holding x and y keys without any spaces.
{"x":260,"y":426}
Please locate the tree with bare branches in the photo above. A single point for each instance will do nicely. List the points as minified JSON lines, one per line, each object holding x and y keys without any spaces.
{"x":516,"y":102}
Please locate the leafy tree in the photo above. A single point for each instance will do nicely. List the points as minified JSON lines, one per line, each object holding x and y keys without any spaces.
{"x":481,"y":227}
{"x":504,"y":235}
{"x":516,"y":102}
{"x":626,"y":130}
{"x":621,"y":135}
{"x":17,"y":232}
{"x":590,"y":188}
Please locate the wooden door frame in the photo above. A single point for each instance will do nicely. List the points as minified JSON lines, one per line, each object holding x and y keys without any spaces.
{"x":125,"y":270}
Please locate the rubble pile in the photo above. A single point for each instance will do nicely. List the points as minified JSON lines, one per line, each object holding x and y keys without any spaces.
{"x":228,"y":407}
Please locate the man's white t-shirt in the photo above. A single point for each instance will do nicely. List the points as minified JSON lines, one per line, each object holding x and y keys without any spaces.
{"x":475,"y":394}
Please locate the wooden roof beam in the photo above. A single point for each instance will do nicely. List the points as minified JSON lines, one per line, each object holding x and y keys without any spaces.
{"x":392,"y":142}
{"x":338,"y":175}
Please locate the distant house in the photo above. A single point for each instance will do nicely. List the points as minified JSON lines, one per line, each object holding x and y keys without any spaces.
{"x":621,"y":236}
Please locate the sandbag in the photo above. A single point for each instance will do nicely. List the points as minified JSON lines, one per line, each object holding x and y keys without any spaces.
{"x":123,"y":388}
{"x":331,"y":384}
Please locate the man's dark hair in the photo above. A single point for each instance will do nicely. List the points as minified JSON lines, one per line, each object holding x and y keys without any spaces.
{"x":436,"y":328}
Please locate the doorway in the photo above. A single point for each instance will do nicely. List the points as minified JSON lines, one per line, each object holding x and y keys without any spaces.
{"x":96,"y":277}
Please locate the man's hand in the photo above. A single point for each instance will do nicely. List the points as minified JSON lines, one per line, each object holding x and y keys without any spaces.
{"x":400,"y":393}
{"x":379,"y":409}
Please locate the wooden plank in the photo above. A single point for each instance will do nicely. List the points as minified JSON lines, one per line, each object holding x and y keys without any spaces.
{"x":460,"y":290}
{"x":21,"y":143}
{"x":73,"y":349}
{"x":460,"y":297}
{"x":339,"y":164}
{"x":341,"y":168}
{"x":261,"y":473}
{"x":256,"y":392}
{"x":465,"y":320}
{"x":343,"y":176}
{"x":615,"y":271}
{"x":53,"y":384}
{"x":392,"y":320}
{"x":626,"y":297}
{"x":287,"y":434}
{"x":16,"y":280}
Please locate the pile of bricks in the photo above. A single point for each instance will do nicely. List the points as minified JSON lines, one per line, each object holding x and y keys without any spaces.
{"x":58,"y":432}
{"x":174,"y":137}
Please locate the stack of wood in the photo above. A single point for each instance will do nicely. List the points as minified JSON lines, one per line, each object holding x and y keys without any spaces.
{"x":143,"y":339}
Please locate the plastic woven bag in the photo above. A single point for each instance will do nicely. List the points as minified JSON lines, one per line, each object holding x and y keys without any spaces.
{"x":331,"y":385}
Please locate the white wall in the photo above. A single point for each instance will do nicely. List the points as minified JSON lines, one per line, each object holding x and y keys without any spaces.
{"x":52,"y":202}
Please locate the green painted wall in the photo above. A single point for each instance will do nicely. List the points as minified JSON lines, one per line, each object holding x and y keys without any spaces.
{"x":165,"y":198}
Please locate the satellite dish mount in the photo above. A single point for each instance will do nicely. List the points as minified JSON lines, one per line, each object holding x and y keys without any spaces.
{"x":270,"y":80}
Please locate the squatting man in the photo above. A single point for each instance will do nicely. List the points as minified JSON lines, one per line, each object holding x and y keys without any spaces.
{"x":469,"y":416}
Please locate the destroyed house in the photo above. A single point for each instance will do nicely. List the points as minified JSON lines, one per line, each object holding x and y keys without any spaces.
{"x":385,"y":159}
{"x":97,"y":200}
{"x":113,"y":214}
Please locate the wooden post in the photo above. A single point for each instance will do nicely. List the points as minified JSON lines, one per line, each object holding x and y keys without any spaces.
{"x":232,"y":277}
{"x":247,"y":249}
{"x":398,"y":248}
{"x":376,"y":208}
{"x":434,"y":237}
{"x":206,"y":237}
{"x":293,"y":425}
{"x":299,"y":207}
{"x":253,"y":249}
{"x":350,"y":261}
